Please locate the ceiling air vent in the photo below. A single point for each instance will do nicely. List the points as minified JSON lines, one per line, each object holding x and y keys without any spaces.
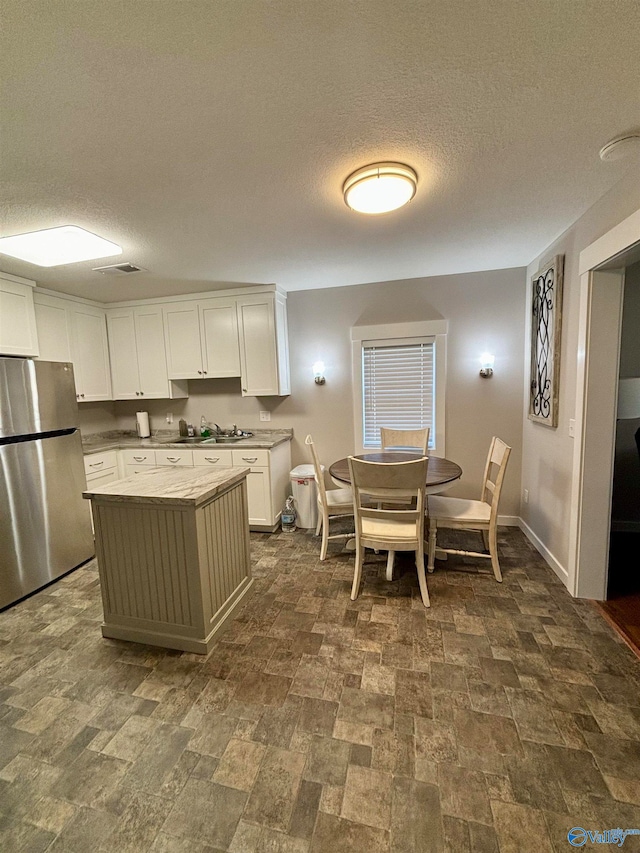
{"x":119,"y":269}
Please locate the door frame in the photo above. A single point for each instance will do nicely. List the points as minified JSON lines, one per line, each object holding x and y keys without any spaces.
{"x":601,"y":270}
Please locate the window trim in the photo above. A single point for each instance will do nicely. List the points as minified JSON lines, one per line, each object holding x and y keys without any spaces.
{"x":366,"y":335}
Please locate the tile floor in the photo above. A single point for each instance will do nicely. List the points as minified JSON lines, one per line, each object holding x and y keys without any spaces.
{"x":495,"y":721}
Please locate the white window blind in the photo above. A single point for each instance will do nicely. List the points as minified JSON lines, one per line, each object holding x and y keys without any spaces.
{"x":398,"y":387}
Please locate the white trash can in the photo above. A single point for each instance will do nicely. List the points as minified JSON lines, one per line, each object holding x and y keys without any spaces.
{"x":305,"y":495}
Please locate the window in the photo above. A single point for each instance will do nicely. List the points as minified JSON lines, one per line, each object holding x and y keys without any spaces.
{"x":399,"y":379}
{"x":398,"y":387}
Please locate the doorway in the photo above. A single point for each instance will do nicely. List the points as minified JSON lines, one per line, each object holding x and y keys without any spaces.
{"x":622,"y":605}
{"x":602,"y":271}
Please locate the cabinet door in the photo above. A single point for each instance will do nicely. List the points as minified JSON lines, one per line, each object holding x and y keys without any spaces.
{"x":152,"y":361}
{"x":54,"y":332}
{"x":258,"y":356}
{"x":90,"y":353}
{"x":125,"y":377}
{"x":259,"y":496}
{"x":182,"y":336}
{"x":219,"y":336}
{"x":18,"y":334}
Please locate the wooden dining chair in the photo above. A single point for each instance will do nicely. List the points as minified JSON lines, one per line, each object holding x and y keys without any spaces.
{"x":401,"y":438}
{"x":466,"y":514}
{"x":382,"y":527}
{"x":332,"y":503}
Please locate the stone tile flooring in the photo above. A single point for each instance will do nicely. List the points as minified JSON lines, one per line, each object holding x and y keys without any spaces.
{"x":495,"y":721}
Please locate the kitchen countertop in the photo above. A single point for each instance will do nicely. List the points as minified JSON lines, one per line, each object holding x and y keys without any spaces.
{"x":123,"y":440}
{"x":183,"y":486}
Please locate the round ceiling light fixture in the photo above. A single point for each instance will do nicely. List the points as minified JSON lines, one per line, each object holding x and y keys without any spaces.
{"x":380,"y":187}
{"x":620,"y":147}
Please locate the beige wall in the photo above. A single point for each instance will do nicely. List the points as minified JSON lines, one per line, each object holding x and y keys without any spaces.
{"x":547,"y":453}
{"x":485,"y":311}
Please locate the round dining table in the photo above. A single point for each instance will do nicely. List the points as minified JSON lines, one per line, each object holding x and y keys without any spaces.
{"x":441,"y":475}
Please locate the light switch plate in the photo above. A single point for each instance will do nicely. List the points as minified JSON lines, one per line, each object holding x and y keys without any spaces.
{"x":265,"y":416}
{"x":572,"y":427}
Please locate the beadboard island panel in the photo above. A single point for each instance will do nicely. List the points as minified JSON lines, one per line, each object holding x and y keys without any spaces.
{"x":173,"y":555}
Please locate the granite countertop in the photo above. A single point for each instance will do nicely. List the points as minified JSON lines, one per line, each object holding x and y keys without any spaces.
{"x":125,"y":440}
{"x":183,"y":486}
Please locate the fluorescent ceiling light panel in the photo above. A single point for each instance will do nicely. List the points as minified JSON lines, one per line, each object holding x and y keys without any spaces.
{"x":54,"y":247}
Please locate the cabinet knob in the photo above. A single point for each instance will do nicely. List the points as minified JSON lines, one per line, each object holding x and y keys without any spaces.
{"x":245,"y":390}
{"x":142,"y":393}
{"x":205,"y":372}
{"x":82,"y":395}
{"x":200,"y":372}
{"x":137,"y":393}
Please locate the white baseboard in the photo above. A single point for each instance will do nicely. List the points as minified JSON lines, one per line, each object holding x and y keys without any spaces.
{"x":548,"y":557}
{"x":508,"y":521}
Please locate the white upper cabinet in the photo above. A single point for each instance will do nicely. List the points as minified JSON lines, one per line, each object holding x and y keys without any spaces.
{"x":144,"y":349}
{"x":264,"y":349}
{"x":137,"y":355}
{"x":202,"y":339}
{"x":18,"y":334}
{"x":75,"y":331}
{"x":53,"y":323}
{"x":219,"y":337}
{"x":90,"y":352}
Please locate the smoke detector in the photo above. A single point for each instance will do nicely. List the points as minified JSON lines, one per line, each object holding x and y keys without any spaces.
{"x":119,"y":269}
{"x":620,"y":147}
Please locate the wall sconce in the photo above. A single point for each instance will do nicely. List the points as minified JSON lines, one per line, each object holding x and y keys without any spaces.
{"x":486,"y":364}
{"x":318,"y":372}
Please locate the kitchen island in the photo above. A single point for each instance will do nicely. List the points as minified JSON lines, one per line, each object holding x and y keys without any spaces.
{"x":173,"y":554}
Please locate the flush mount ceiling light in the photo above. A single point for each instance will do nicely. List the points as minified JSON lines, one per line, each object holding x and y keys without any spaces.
{"x":620,"y":147}
{"x":380,"y":187}
{"x":54,"y":247}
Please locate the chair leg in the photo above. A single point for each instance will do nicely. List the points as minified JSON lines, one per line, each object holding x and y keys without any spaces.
{"x":422,"y":580}
{"x":357,"y":571}
{"x":325,"y":537}
{"x":493,"y":550}
{"x":390,"y":558}
{"x":432,"y":544}
{"x":319,"y":524}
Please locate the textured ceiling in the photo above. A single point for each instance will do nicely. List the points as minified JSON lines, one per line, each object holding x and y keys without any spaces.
{"x":211,"y":139}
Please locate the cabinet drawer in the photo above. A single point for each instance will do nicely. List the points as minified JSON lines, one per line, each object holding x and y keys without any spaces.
{"x":95,"y":462}
{"x":242,"y":458}
{"x":138,"y":457}
{"x":174,"y":457}
{"x":101,"y":478}
{"x":221,"y":458}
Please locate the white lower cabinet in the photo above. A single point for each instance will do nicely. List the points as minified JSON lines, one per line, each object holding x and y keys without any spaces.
{"x":136,"y":461}
{"x":100,"y":469}
{"x":220,"y":458}
{"x":175,"y":458}
{"x":267,"y":481}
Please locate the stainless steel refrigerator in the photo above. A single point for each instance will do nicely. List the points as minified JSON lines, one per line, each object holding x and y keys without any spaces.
{"x":45,"y":526}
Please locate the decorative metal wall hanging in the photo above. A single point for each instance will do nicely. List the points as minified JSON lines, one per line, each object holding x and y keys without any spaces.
{"x":546,"y":321}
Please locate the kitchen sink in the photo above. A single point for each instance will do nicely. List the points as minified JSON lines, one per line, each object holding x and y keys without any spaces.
{"x":214,"y":439}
